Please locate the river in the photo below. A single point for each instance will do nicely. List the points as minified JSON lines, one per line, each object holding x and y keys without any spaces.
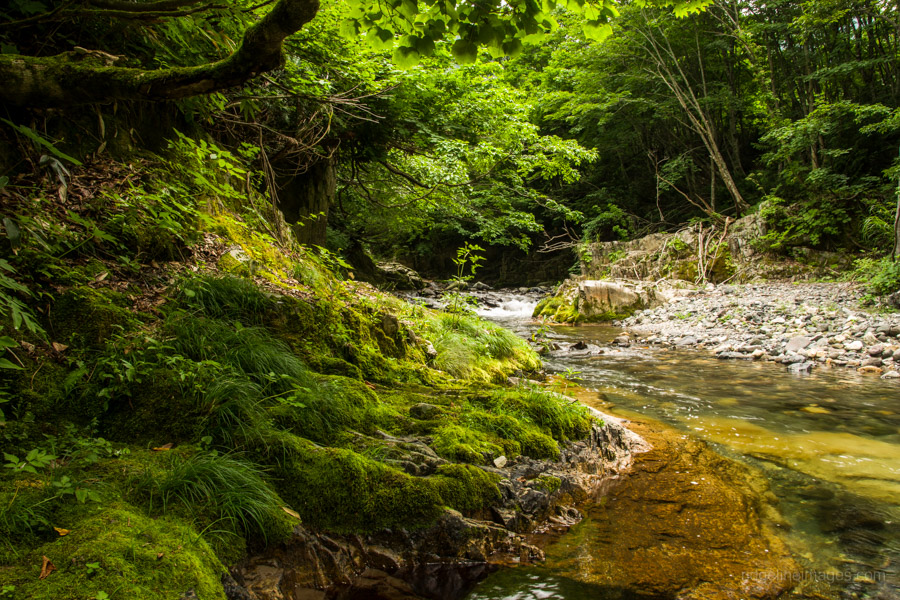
{"x":827,"y":445}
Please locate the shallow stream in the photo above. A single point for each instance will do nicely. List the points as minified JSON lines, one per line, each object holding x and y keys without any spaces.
{"x":827,"y":444}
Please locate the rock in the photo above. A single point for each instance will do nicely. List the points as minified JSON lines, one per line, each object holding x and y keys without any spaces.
{"x":801,"y":367}
{"x":500,"y":462}
{"x":236,"y":261}
{"x":735,"y":355}
{"x":797,"y":343}
{"x":399,"y":276}
{"x":871,"y":362}
{"x":424,"y":411}
{"x":687,"y":340}
{"x":375,"y":584}
{"x":233,"y":590}
{"x":891,"y":375}
{"x":622,"y":340}
{"x":481,"y":286}
{"x":875,"y":350}
{"x":579,"y":345}
{"x":854,"y":346}
{"x":870,"y":369}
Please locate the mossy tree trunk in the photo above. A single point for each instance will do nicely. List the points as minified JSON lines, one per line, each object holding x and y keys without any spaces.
{"x":87,"y":77}
{"x":305,"y":200}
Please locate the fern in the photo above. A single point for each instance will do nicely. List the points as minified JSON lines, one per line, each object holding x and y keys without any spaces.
{"x":9,"y":304}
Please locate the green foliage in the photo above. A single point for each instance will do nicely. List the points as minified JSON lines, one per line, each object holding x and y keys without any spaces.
{"x":226,"y":298}
{"x":35,"y":460}
{"x":882,"y":276}
{"x":470,"y":348}
{"x":222,"y":491}
{"x":19,"y":313}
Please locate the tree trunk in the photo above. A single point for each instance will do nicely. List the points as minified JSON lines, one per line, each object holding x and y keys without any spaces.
{"x":305,"y":200}
{"x":74,"y":78}
{"x":895,"y":253}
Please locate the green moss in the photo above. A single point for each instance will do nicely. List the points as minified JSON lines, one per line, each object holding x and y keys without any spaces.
{"x":343,"y":491}
{"x":229,"y":264}
{"x":466,"y":488}
{"x":85,"y":316}
{"x":548,"y":483}
{"x":158,"y":412}
{"x":137,"y":557}
{"x":547,"y":307}
{"x":321,"y":412}
{"x":455,"y":442}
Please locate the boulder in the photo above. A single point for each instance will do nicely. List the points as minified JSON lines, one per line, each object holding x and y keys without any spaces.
{"x":398,"y":276}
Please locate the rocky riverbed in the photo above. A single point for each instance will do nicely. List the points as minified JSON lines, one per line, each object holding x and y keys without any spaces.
{"x":803,"y":326}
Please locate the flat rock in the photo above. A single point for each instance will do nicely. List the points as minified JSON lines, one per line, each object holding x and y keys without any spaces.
{"x":797,"y":343}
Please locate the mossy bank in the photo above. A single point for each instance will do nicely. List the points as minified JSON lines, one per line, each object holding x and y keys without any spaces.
{"x":184,"y":387}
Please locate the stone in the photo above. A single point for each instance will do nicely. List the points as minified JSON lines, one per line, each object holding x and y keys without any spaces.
{"x":480,"y":286}
{"x":797,"y":343}
{"x":735,"y":355}
{"x":854,"y":346}
{"x":891,"y":375}
{"x":500,"y":462}
{"x":869,"y":369}
{"x":872,"y":362}
{"x":424,"y":411}
{"x":801,"y":367}
{"x":687,"y":340}
{"x":399,"y":276}
{"x":875,"y":350}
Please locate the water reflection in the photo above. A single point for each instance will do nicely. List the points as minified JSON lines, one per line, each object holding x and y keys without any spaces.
{"x":828,"y":443}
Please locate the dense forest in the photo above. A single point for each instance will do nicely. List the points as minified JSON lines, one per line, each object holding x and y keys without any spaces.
{"x":194,"y":196}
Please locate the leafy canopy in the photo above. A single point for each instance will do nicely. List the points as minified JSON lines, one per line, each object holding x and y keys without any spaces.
{"x":411,"y":27}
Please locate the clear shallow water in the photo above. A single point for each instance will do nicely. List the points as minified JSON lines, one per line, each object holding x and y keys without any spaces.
{"x":828,"y":443}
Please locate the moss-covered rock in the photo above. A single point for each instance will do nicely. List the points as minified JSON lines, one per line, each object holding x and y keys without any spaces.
{"x":117,"y":549}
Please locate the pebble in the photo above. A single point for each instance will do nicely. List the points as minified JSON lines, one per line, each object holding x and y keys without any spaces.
{"x":801,"y":326}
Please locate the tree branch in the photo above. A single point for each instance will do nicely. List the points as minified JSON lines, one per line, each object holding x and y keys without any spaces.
{"x":65,"y":80}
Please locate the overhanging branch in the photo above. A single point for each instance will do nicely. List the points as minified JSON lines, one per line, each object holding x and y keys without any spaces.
{"x":68,"y":79}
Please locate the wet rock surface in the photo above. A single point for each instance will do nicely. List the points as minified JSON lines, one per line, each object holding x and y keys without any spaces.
{"x":685,"y":523}
{"x":803,"y":326}
{"x":446,"y":559}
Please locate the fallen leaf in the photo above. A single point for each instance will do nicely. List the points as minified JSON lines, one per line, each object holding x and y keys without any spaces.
{"x":59,"y":347}
{"x":168,"y":446}
{"x":61,"y":531}
{"x":371,"y":386}
{"x":291,"y":512}
{"x":46,"y":568}
{"x":101,"y":276}
{"x":160,"y":555}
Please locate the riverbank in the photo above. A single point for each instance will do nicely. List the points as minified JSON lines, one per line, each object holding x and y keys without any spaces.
{"x":800,"y":325}
{"x":708,"y":525}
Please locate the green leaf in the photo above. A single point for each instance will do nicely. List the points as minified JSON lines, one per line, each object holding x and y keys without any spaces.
{"x":6,"y":364}
{"x":13,"y":233}
{"x":408,"y":8}
{"x":405,"y":57}
{"x":380,"y":39}
{"x":464,"y":51}
{"x":597,"y":31}
{"x":512,"y":48}
{"x":33,"y":136}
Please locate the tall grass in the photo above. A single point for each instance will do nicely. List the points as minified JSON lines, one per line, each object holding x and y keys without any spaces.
{"x":470,"y":348}
{"x":223,"y":491}
{"x":226,"y":298}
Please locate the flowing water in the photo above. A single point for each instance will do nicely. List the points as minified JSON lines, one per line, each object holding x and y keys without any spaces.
{"x":828,"y":445}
